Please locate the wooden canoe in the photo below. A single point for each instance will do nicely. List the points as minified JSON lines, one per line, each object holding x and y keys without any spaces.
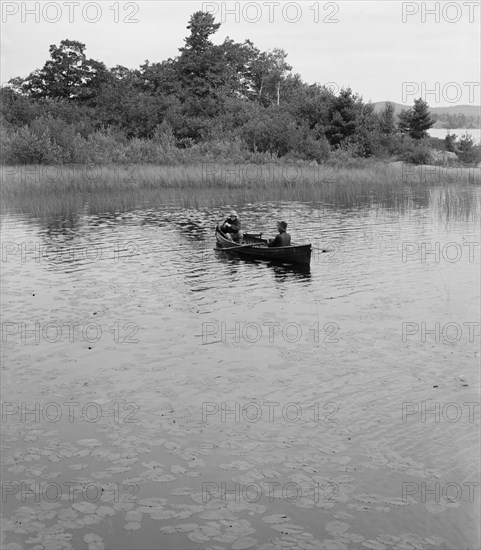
{"x":253,"y":246}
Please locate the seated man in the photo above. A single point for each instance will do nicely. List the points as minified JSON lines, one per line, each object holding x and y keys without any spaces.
{"x":231,"y":227}
{"x":283,"y":239}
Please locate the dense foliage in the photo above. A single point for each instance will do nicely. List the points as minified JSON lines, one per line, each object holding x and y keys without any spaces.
{"x":228,"y":101}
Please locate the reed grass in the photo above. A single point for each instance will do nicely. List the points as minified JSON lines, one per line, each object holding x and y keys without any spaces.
{"x":47,"y":189}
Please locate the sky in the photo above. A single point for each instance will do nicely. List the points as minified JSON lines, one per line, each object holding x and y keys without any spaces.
{"x":385,"y":50}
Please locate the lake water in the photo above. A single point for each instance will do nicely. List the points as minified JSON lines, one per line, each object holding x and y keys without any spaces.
{"x":160,"y":394}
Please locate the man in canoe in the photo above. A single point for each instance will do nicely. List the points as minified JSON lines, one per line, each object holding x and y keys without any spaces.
{"x":283,"y":238}
{"x":231,"y":227}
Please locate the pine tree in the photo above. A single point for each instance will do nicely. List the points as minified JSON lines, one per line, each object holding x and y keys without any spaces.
{"x":420,"y":120}
{"x":386,"y":120}
{"x":416,"y":121}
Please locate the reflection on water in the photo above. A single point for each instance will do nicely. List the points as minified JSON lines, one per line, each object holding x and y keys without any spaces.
{"x":209,"y":369}
{"x":281,"y":271}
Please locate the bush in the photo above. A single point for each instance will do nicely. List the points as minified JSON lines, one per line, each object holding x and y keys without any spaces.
{"x":164,"y":136}
{"x":232,"y":148}
{"x":342,"y":157}
{"x":416,"y":155}
{"x":26,"y":147}
{"x":413,"y":151}
{"x":310,"y":148}
{"x":61,"y":135}
{"x":102,"y":148}
{"x":467,"y":151}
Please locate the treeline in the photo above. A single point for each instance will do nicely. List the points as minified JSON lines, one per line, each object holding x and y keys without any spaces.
{"x":456,"y":120}
{"x":229,"y":101}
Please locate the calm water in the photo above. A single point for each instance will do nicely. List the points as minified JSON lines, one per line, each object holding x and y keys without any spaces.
{"x":159,"y":394}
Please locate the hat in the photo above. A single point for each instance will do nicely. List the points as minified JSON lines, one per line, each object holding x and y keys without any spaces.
{"x":233,"y":214}
{"x":282,"y":225}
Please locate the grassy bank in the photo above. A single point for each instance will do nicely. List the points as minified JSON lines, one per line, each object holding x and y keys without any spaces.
{"x":69,"y":178}
{"x":40,"y":188}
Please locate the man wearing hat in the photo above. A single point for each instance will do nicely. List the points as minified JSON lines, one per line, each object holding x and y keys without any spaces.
{"x":231,"y":227}
{"x":283,"y":239}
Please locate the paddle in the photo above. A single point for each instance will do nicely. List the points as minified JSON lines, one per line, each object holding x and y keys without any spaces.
{"x":239,"y":246}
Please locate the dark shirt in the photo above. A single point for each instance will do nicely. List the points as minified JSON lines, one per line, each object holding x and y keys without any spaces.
{"x":235,"y":225}
{"x":282,"y":239}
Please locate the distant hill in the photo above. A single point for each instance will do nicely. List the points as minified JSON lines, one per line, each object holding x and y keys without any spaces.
{"x":457,"y":116}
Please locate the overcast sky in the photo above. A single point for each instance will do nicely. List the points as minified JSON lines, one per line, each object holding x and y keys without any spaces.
{"x":385,"y":50}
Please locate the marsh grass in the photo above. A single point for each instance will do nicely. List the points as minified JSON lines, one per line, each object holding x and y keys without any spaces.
{"x":40,"y":189}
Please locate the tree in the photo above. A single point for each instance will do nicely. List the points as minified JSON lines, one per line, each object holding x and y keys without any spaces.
{"x":366,"y":140}
{"x":311,"y":104}
{"x":198,"y":67}
{"x":67,"y":75}
{"x":237,"y":70}
{"x":416,"y":121}
{"x":271,"y":130}
{"x":467,"y":151}
{"x":159,"y":78}
{"x":132,"y":103}
{"x":268,"y":72}
{"x":208,"y":77}
{"x":343,"y":117}
{"x":201,"y":26}
{"x":17,"y":108}
{"x":387,"y":122}
{"x":420,"y":120}
{"x":404,"y":121}
{"x":450,"y":142}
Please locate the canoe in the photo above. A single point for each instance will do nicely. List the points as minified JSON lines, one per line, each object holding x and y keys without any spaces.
{"x":254,"y":246}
